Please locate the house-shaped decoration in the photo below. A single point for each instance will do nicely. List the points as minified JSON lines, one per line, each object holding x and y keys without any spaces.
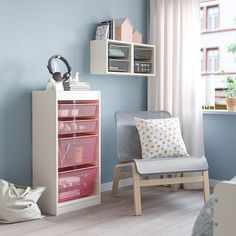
{"x":137,"y":37}
{"x":124,"y":30}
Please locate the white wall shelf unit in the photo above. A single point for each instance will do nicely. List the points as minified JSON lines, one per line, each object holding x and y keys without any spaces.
{"x":66,"y":149}
{"x":113,"y":57}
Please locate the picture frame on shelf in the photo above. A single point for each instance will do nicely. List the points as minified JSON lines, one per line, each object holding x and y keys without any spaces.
{"x":102,"y":31}
{"x":111,"y":23}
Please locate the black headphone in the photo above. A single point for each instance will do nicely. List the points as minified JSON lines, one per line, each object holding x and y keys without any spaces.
{"x":57,"y":76}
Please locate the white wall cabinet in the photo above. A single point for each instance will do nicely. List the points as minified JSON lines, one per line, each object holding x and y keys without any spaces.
{"x":66,"y":149}
{"x":112,"y":57}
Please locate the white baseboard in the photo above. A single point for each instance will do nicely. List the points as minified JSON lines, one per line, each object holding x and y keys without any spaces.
{"x":127,"y":182}
{"x":122,"y":183}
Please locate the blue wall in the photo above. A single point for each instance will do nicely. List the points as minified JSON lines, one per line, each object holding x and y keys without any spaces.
{"x":31,"y":32}
{"x":220,"y":145}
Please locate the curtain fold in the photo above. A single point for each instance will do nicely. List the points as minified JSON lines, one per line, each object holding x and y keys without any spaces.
{"x":175,"y":30}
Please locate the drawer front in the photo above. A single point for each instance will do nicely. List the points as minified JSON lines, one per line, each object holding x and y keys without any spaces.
{"x":76,"y":150}
{"x":76,"y":183}
{"x":77,"y":126}
{"x":142,"y":54}
{"x":118,"y":65}
{"x":142,"y":67}
{"x":77,"y":110}
{"x":118,"y":51}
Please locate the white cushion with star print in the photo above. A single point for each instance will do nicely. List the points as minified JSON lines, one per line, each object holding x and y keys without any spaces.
{"x":160,"y":138}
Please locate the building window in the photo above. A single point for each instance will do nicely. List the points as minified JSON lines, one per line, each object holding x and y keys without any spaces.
{"x":212,"y":60}
{"x":212,"y":17}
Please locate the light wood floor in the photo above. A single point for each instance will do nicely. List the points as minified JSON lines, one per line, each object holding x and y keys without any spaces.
{"x":165,"y":213}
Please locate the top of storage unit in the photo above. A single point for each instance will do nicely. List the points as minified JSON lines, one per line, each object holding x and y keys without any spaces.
{"x":68,"y":95}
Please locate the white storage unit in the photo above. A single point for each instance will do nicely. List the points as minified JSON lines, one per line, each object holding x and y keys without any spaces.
{"x":113,"y":57}
{"x":66,"y":149}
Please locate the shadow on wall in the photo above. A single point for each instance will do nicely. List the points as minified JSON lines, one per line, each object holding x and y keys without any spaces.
{"x":15,"y":135}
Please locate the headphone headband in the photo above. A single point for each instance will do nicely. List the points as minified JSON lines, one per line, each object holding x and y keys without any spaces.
{"x":57,"y":75}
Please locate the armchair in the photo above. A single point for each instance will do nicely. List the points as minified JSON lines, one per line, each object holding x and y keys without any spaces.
{"x":129,"y":155}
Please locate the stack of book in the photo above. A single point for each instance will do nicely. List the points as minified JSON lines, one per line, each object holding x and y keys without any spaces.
{"x":77,"y":86}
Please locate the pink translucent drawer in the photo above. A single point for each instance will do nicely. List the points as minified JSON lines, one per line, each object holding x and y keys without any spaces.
{"x":77,"y":126}
{"x":76,"y":150}
{"x":76,"y":183}
{"x":77,"y":110}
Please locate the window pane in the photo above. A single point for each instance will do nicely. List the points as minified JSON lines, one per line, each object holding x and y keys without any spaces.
{"x":212,"y":18}
{"x":212,"y":60}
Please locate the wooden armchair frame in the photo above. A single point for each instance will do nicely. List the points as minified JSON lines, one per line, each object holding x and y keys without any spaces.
{"x":139,"y":182}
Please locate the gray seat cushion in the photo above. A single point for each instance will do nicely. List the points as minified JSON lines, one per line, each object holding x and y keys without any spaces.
{"x":171,"y":165}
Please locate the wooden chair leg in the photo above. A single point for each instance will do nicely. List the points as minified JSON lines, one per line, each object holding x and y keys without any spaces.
{"x":175,"y":187}
{"x":116,"y":180}
{"x":137,"y":192}
{"x":206,"y":186}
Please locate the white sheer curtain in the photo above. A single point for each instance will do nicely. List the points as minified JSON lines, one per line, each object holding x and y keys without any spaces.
{"x":175,"y":30}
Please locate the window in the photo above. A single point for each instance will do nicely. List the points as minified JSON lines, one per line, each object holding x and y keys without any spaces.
{"x":212,"y":60}
{"x":215,"y":56}
{"x":209,"y":17}
{"x":212,"y":17}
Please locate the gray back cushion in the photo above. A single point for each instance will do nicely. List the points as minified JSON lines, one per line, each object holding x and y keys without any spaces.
{"x":128,"y":143}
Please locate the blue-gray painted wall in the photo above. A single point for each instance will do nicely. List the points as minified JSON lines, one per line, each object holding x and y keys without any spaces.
{"x":30,"y":32}
{"x":220,"y":145}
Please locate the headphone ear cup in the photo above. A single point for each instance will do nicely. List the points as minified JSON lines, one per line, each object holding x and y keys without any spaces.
{"x":57,"y":76}
{"x":66,"y":76}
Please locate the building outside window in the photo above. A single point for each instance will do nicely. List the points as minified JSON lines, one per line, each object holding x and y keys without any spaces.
{"x":212,"y":17}
{"x":218,"y":31}
{"x":213,"y":60}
